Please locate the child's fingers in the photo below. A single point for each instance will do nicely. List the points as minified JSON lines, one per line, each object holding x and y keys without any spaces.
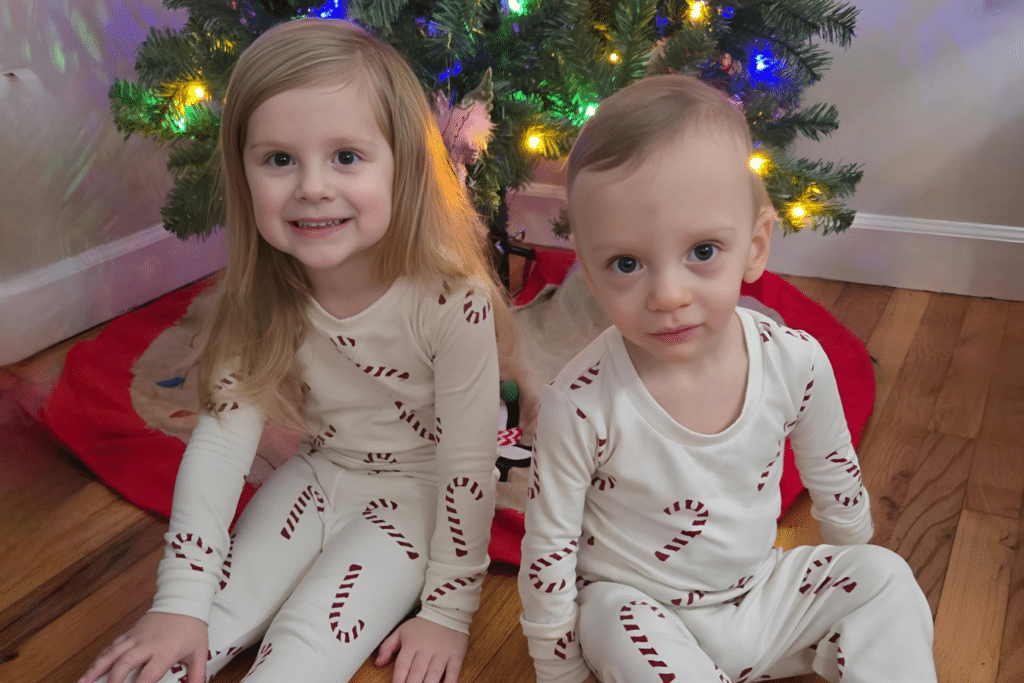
{"x":106,"y":659}
{"x":453,"y":670}
{"x":387,"y":649}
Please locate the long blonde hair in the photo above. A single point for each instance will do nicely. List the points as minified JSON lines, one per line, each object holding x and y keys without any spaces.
{"x":434,"y":234}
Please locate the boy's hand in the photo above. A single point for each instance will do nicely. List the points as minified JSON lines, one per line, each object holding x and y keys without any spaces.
{"x":154,"y":644}
{"x":426,"y":652}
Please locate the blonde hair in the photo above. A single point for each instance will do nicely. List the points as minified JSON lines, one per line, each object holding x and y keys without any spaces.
{"x":434,"y":234}
{"x":631,"y":124}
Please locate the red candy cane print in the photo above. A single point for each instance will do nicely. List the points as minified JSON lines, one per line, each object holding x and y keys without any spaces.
{"x":475,"y":312}
{"x":409,"y":416}
{"x":542,"y":563}
{"x":178,"y":546}
{"x":453,"y":585}
{"x":587,"y":377}
{"x":700,"y":518}
{"x":225,"y":569}
{"x":342,"y":594}
{"x":264,"y":652}
{"x":389,"y":529}
{"x":633,"y":630}
{"x":308,"y":494}
{"x":454,"y":522}
{"x":821,"y":566}
{"x":563,"y":644}
{"x":534,"y":489}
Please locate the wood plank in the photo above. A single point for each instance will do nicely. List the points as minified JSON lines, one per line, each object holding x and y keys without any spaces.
{"x":74,"y":540}
{"x":996,"y":483}
{"x":972,"y":610}
{"x":495,"y":628}
{"x":961,"y":403}
{"x":1011,"y":656}
{"x":64,"y":649}
{"x":824,"y":292}
{"x":924,"y":531}
{"x":860,"y":308}
{"x":891,"y":340}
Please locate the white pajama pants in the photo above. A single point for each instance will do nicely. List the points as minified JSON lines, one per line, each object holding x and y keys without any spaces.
{"x":321,"y":575}
{"x":849,"y":613}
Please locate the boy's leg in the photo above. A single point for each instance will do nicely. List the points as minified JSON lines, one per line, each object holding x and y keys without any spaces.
{"x":368,"y":577}
{"x":627,"y":637}
{"x":854,"y":613}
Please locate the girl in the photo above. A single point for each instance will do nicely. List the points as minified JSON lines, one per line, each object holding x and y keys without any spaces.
{"x":357,"y":288}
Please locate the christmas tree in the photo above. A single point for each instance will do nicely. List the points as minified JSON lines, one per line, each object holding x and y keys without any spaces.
{"x":531,"y":72}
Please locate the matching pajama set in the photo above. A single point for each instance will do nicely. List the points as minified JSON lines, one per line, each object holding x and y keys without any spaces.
{"x":649,"y":555}
{"x":386,"y":506}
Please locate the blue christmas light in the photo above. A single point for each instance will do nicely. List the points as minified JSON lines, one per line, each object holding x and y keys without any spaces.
{"x":451,"y":72}
{"x":727,"y":12}
{"x":332,"y":9}
{"x":764,"y":67}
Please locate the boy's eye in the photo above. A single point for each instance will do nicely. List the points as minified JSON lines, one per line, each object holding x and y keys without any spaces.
{"x":346,"y":157}
{"x":625,"y":264}
{"x":703,"y":252}
{"x":279,"y":159}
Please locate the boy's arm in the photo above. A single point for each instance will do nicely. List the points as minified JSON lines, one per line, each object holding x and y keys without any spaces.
{"x":827,"y":461}
{"x":563,"y":465}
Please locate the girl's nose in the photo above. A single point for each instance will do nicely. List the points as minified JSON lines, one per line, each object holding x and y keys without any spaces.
{"x":314,"y":186}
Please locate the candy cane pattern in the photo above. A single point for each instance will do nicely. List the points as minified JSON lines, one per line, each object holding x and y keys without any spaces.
{"x":799,"y":334}
{"x":601,"y":482}
{"x":260,"y":658}
{"x":744,"y":674}
{"x":700,"y":519}
{"x":852,"y":469}
{"x":340,"y":597}
{"x":409,"y":416}
{"x":534,"y":490}
{"x":454,"y":523}
{"x":308,"y":494}
{"x":381,"y":371}
{"x":379,"y":457}
{"x":628,"y":621}
{"x":344,"y":342}
{"x":846,"y":583}
{"x":474,"y":311}
{"x":768,"y":469}
{"x":225,"y":569}
{"x":230,"y":652}
{"x":320,"y":439}
{"x":691,"y":597}
{"x":542,"y":563}
{"x":448,"y":587}
{"x":721,"y":675}
{"x":370,"y":516}
{"x":803,"y":405}
{"x":766,"y":331}
{"x":587,"y":377}
{"x":178,"y":546}
{"x":179,"y":668}
{"x":563,"y":643}
{"x":742,"y":583}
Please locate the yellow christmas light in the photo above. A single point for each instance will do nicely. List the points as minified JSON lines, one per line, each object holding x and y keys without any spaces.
{"x":697,"y":10}
{"x":613,"y":57}
{"x":198,"y":92}
{"x":758,"y":163}
{"x":797,"y":211}
{"x":533,"y":142}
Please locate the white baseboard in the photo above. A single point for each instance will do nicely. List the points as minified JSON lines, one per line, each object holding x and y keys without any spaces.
{"x":911,"y":253}
{"x":937,"y":256}
{"x":48,"y":305}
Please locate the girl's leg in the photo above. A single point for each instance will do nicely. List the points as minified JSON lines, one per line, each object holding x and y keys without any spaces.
{"x":854,"y":613}
{"x":368,"y":577}
{"x":627,"y":637}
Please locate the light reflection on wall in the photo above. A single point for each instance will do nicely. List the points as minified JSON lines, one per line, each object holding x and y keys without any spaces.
{"x":70,"y":181}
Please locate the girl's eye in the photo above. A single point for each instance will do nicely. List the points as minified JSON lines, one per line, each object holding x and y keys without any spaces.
{"x":625,"y":264}
{"x":703,"y":252}
{"x":346,"y":157}
{"x":279,"y":159}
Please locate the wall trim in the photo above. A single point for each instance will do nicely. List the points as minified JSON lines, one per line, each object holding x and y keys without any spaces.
{"x":937,"y":228}
{"x":50,"y":304}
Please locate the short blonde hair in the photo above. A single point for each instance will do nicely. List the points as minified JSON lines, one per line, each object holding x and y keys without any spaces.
{"x":434,"y":234}
{"x":631,"y":124}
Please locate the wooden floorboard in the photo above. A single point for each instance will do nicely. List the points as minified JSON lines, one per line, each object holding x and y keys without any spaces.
{"x":942,"y":458}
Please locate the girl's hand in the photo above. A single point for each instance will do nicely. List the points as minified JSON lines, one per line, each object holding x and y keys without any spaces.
{"x":426,"y":652}
{"x":153,"y":645}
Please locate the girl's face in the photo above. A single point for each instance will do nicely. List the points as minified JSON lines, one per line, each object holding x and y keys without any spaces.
{"x":320,"y":172}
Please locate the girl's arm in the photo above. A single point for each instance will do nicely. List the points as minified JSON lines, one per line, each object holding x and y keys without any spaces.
{"x":209,"y":481}
{"x":466,"y":403}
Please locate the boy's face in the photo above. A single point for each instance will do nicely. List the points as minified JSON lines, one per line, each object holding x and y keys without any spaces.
{"x":665,"y":246}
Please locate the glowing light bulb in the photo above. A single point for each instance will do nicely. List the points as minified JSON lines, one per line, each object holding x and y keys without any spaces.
{"x":198,"y":92}
{"x":590,"y":110}
{"x":697,"y":10}
{"x":533,"y":142}
{"x":797,"y":212}
{"x":515,"y":6}
{"x":613,"y":57}
{"x":758,"y":163}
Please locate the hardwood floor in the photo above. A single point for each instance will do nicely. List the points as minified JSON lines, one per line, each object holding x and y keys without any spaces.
{"x":943,"y":458}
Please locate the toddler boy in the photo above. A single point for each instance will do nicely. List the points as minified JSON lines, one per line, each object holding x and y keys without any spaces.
{"x":650,"y":523}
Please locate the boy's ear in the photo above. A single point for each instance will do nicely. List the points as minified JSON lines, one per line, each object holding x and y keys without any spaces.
{"x":760,"y":244}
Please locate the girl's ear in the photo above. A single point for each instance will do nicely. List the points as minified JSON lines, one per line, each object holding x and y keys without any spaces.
{"x":760,"y":244}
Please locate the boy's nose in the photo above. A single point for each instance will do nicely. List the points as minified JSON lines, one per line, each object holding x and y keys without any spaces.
{"x":669,"y":292}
